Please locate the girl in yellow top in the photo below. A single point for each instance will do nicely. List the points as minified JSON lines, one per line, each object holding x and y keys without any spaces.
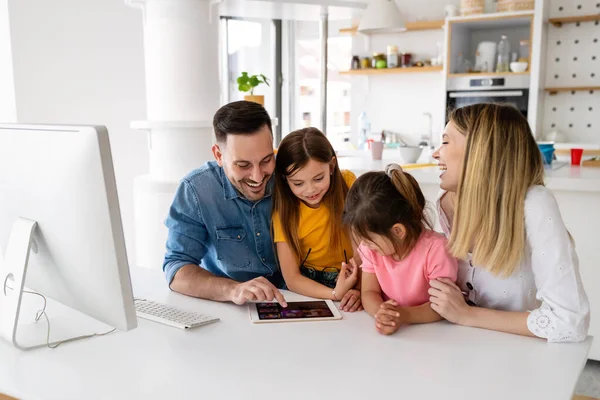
{"x":313,"y":247}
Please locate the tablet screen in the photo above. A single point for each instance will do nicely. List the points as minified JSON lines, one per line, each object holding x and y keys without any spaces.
{"x":294,"y":310}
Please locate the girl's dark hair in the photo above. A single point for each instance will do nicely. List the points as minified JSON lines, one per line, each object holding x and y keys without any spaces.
{"x":294,"y":152}
{"x":379,"y":200}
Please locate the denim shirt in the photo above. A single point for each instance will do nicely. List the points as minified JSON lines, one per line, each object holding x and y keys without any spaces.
{"x":210,"y":224}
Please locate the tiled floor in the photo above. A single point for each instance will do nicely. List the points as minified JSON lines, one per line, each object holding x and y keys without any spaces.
{"x":589,"y":381}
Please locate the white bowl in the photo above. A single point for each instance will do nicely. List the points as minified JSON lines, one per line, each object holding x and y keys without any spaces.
{"x":410,"y":154}
{"x":518,"y":66}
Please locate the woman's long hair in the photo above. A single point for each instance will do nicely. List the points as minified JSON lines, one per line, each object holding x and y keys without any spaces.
{"x":502,"y":161}
{"x":294,"y":152}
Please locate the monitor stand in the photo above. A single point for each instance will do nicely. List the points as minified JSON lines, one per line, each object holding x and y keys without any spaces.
{"x":18,"y":309}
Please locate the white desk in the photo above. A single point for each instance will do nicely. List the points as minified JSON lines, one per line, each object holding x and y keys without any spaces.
{"x":347,"y":359}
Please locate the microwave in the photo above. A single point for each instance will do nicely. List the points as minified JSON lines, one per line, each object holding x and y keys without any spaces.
{"x":463,"y":91}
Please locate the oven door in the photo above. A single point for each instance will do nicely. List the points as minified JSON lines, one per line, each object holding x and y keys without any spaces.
{"x":518,"y":98}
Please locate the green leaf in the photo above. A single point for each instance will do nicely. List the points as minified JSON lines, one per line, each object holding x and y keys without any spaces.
{"x":247,"y":83}
{"x":254,"y":81}
{"x":244,"y":87}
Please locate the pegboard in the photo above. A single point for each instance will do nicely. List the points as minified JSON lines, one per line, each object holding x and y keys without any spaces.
{"x":573,"y":59}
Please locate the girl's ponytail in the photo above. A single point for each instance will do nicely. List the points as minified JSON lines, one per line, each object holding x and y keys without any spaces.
{"x":408,"y":187}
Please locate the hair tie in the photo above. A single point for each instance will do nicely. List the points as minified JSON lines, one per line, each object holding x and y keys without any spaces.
{"x":389,"y":169}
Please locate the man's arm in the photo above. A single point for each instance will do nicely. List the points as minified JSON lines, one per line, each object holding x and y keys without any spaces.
{"x":193,"y":280}
{"x":187,"y":243}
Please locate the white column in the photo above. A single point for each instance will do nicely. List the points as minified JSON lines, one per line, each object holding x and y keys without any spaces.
{"x":182,"y":94}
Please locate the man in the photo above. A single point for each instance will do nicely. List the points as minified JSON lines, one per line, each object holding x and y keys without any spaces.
{"x":219,"y":245}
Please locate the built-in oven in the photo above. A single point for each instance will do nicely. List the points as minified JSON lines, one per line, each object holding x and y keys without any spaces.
{"x":463,"y":91}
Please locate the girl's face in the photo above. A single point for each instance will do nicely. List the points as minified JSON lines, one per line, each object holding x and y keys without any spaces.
{"x":382,"y":244}
{"x":450,"y":156}
{"x":311,"y":182}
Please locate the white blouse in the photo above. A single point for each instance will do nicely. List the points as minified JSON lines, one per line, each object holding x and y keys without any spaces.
{"x":547,"y":281}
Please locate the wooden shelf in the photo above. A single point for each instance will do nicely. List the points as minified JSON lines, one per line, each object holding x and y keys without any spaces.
{"x":410,"y":26}
{"x":554,"y":90}
{"x":486,"y":74}
{"x":494,"y":20}
{"x":558,"y":22}
{"x":382,"y":71}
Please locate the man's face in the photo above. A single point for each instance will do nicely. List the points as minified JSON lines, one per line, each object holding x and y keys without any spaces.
{"x":248,"y":161}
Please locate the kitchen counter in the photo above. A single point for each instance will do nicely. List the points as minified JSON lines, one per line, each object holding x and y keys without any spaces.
{"x":565,"y":177}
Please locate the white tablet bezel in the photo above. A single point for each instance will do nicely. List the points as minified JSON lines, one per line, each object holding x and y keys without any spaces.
{"x":256,"y":320}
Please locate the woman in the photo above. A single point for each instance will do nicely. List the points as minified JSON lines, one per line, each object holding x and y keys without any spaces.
{"x":518,"y":270}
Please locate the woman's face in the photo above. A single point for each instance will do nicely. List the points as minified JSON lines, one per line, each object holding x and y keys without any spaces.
{"x":450,"y":156}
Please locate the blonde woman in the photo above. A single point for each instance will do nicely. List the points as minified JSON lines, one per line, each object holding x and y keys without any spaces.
{"x":518,"y":270}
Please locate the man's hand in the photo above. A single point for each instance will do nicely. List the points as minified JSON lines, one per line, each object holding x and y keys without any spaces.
{"x":258,"y":289}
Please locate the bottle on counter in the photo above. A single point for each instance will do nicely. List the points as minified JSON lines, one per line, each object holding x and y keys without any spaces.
{"x":364,"y":130}
{"x":503,"y":55}
{"x":355,"y":62}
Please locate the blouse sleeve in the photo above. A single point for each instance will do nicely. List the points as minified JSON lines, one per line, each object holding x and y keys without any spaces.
{"x":564,"y":314}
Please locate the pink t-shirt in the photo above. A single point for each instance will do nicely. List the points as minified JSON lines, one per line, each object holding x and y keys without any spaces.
{"x":407,"y":281}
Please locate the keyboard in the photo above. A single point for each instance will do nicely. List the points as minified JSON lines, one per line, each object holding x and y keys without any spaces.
{"x":171,"y":316}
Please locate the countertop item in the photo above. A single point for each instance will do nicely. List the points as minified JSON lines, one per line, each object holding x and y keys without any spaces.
{"x":567,"y":177}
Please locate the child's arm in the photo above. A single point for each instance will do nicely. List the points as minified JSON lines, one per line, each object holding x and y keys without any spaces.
{"x":371,"y":293}
{"x":422,"y":314}
{"x":298,"y":283}
{"x":390,"y":316}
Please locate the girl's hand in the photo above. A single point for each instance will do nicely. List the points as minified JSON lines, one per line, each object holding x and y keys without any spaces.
{"x":389,"y":318}
{"x":346,"y":279}
{"x":447,"y":300}
{"x":351,"y":301}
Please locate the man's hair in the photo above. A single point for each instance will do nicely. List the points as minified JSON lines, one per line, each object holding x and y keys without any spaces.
{"x":240,"y":118}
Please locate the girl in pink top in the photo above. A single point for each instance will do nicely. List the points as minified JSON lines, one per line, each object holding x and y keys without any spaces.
{"x":400,"y":253}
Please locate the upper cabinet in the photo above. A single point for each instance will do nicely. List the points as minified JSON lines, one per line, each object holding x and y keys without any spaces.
{"x":473,"y":42}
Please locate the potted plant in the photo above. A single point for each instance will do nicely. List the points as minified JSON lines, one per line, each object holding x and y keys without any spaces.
{"x":247,"y":83}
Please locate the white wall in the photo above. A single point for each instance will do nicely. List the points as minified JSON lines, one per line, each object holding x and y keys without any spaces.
{"x":397,"y":101}
{"x":82,"y":62}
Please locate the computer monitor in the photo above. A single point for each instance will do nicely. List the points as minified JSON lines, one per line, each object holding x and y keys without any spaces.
{"x":61,"y":235}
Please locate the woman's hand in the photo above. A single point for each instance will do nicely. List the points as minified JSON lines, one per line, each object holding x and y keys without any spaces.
{"x":351,"y":301}
{"x":447,"y":300}
{"x":389,"y":318}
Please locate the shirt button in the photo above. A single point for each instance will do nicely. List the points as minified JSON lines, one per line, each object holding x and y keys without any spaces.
{"x":263,"y":260}
{"x":239,"y":237}
{"x":469,"y":286}
{"x":257,"y":233}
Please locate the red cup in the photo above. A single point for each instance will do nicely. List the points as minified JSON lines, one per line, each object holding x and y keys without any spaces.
{"x":576,"y":156}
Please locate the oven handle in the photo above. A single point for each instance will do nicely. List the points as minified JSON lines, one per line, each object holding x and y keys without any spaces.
{"x":508,"y":93}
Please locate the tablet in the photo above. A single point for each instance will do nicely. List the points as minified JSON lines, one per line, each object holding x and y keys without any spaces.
{"x":310,"y":310}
